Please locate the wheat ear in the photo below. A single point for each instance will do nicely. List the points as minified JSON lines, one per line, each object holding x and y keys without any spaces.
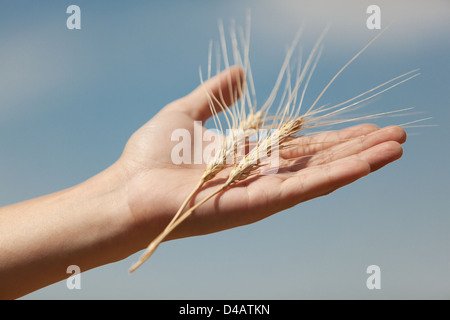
{"x":248,"y":165}
{"x":242,"y":120}
{"x":288,"y":123}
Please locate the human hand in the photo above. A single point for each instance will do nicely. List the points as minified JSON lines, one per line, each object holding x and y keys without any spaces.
{"x":123,"y":208}
{"x":311,"y":167}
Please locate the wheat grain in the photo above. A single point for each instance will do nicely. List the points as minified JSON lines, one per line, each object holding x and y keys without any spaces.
{"x":285,"y":124}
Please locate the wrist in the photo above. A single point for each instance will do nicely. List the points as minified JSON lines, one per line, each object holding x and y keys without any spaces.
{"x":84,"y":225}
{"x":105,"y":197}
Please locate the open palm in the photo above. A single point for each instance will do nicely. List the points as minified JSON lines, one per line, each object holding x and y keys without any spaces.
{"x":311,"y":167}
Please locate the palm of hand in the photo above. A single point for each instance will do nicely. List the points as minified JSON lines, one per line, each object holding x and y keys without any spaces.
{"x":312,"y":167}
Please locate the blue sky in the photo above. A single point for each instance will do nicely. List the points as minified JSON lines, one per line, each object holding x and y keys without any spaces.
{"x":70,"y":99}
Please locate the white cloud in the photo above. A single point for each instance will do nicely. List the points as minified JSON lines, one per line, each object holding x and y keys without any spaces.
{"x":416,"y":18}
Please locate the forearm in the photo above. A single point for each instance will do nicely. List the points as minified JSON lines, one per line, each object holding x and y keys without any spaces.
{"x":82,"y":225}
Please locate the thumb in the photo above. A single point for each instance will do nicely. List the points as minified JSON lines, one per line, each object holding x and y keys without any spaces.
{"x":216,"y":93}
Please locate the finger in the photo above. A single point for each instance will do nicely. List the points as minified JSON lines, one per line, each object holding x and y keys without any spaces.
{"x":358,"y":144}
{"x":321,"y":180}
{"x":303,"y":146}
{"x":218,"y":93}
{"x":382,"y":154}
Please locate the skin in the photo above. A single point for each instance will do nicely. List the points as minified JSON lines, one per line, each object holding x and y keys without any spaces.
{"x":120,"y":210}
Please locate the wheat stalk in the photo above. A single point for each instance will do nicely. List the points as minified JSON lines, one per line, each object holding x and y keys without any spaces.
{"x":242,"y":122}
{"x":248,"y":165}
{"x":286,"y":123}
